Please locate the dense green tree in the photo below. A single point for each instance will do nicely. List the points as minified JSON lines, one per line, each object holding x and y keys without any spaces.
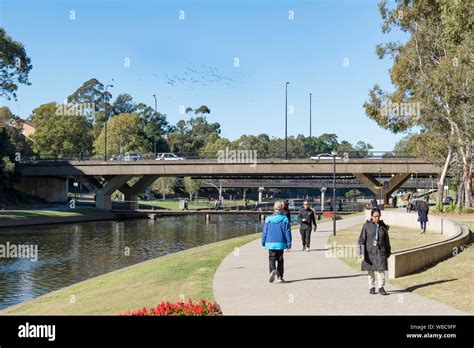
{"x":60,"y":135}
{"x":124,"y":134}
{"x":15,"y":66}
{"x":188,"y":137}
{"x":123,"y":104}
{"x":164,"y":185}
{"x":432,"y":73}
{"x":92,"y":92}
{"x":192,"y":186}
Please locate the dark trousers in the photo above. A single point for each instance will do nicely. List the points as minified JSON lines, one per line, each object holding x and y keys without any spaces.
{"x":306,"y":237}
{"x":276,"y":261}
{"x":423,"y":225}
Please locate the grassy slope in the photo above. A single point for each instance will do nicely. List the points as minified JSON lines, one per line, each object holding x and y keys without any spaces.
{"x":188,"y":273}
{"x":450,"y":281}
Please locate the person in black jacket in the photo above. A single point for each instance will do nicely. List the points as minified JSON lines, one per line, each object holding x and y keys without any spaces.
{"x":307,"y":220}
{"x":374,"y":242}
{"x":286,"y":210}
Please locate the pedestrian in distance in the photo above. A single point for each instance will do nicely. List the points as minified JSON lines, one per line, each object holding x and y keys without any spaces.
{"x":286,"y":210}
{"x":423,"y":210}
{"x":307,"y":220}
{"x":276,"y":237}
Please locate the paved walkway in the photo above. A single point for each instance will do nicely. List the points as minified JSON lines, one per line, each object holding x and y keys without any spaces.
{"x":315,"y":284}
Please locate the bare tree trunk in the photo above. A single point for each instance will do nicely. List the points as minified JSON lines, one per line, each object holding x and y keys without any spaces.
{"x":467,"y":181}
{"x":460,"y":197}
{"x":442,"y":177}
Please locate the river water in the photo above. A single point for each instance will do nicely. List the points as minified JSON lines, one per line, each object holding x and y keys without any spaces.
{"x":71,"y":253}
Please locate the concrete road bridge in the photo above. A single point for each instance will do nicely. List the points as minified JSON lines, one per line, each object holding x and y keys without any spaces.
{"x":48,"y":179}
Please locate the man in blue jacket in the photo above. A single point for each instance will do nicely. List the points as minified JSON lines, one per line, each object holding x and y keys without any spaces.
{"x":276,"y":238}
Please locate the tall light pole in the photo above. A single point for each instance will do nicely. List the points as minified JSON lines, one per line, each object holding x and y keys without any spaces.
{"x":286,"y":120}
{"x":105,"y":125}
{"x":154,"y":129}
{"x":380,"y":185}
{"x":416,"y":183}
{"x":334,"y":154}
{"x":310,"y":116}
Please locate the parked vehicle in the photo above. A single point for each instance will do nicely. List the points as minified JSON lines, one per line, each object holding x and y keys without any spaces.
{"x":128,"y":156}
{"x":324,"y":156}
{"x":168,"y":156}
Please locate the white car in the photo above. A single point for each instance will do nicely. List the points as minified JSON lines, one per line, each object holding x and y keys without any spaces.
{"x":168,"y":156}
{"x":324,"y":156}
{"x":127,"y":156}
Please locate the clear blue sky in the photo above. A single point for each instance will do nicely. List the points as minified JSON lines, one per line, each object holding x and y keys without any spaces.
{"x":308,"y":51}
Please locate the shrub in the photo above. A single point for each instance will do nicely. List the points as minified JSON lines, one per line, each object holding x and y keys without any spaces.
{"x":165,"y":308}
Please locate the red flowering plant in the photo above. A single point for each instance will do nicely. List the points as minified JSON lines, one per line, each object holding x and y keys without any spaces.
{"x":165,"y":308}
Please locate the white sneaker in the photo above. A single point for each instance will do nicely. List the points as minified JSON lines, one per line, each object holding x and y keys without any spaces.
{"x":281,"y":280}
{"x":307,"y":248}
{"x":272,"y":276}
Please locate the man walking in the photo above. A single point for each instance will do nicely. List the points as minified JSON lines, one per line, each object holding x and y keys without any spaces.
{"x":307,"y":219}
{"x":276,"y":238}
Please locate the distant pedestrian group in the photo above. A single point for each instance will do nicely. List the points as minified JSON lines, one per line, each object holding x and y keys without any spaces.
{"x":373,"y":242}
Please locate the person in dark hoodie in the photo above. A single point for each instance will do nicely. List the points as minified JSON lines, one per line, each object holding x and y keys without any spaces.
{"x":276,"y":237}
{"x":374,"y":242}
{"x":307,"y":219}
{"x":286,"y":210}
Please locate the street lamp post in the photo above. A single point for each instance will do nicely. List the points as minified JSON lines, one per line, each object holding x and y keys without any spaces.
{"x":310,"y":133}
{"x":416,"y":183}
{"x":154,"y":128}
{"x":286,"y":120}
{"x":380,"y":185}
{"x":105,"y":125}
{"x":334,"y":154}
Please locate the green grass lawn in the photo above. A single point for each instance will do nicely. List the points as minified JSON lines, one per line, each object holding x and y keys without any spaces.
{"x":15,"y":214}
{"x":450,"y":281}
{"x":400,"y":238}
{"x":188,"y":273}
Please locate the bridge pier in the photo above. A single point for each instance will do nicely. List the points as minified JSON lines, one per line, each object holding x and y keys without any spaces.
{"x":375,"y":186}
{"x":103,"y":199}
{"x":131,"y":202}
{"x":131,"y":192}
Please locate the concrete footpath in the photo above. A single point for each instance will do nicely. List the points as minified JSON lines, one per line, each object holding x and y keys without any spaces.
{"x":315,"y":284}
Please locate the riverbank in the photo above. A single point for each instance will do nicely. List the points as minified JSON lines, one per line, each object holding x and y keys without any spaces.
{"x":185,"y":274}
{"x":24,"y":218}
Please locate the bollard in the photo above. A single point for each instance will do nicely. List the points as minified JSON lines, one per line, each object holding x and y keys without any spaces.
{"x":442,"y":225}
{"x":208,"y":217}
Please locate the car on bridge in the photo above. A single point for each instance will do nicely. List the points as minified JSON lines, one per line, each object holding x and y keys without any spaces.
{"x":324,"y":156}
{"x":168,"y":156}
{"x":128,"y":156}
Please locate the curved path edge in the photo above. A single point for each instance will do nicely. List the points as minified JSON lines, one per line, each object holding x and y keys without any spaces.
{"x":315,"y":284}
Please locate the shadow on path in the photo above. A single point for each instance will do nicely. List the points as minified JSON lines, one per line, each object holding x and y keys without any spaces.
{"x":325,"y":278}
{"x":415,"y":287}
